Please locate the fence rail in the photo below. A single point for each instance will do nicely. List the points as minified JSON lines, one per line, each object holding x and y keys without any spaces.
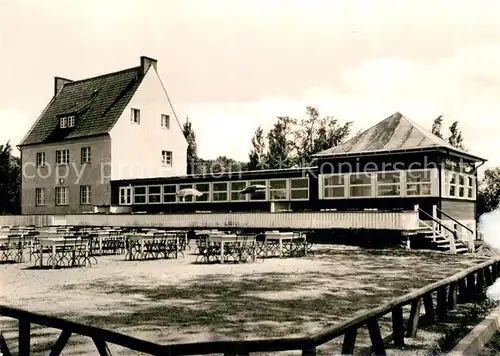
{"x":461,"y":287}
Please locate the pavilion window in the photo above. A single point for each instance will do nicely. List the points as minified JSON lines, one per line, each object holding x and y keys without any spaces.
{"x":169,"y":193}
{"x":219,"y":192}
{"x":260,"y":194}
{"x":360,"y":185}
{"x":418,"y":182}
{"x":450,"y":183}
{"x":461,"y":186}
{"x":186,"y":199}
{"x":299,"y":188}
{"x":140,"y":195}
{"x":154,"y":194}
{"x":334,"y":186}
{"x":205,"y":189}
{"x":388,"y":184}
{"x":471,"y":187}
{"x":278,"y":189}
{"x":236,"y":188}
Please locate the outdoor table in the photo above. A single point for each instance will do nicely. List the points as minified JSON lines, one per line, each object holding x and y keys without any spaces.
{"x":281,"y":237}
{"x":223,"y":239}
{"x":58,"y":242}
{"x":178,"y":232}
{"x":15,"y":240}
{"x":142,"y":238}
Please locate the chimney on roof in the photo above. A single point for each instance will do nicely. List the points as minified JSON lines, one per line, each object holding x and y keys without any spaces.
{"x":59,"y":82}
{"x":147,"y":62}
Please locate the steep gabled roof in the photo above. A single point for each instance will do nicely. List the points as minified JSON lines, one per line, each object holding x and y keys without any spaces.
{"x":97,"y":103}
{"x":396,"y":133}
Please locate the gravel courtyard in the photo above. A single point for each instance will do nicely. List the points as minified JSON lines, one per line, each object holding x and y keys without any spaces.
{"x":176,"y":301}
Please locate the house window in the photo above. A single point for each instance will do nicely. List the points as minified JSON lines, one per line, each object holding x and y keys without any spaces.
{"x":189,"y":198}
{"x":219,"y":191}
{"x":154,"y":194}
{"x":418,"y":182}
{"x":334,"y":186}
{"x":299,"y":188}
{"x":259,"y":194}
{"x":236,"y":188}
{"x":85,"y":194}
{"x":166,"y":158}
{"x":205,"y":189}
{"x":169,"y":192}
{"x":388,"y":184}
{"x":62,"y":195}
{"x":63,"y":122}
{"x":40,"y":196}
{"x":135,"y":116}
{"x":278,"y":189}
{"x":85,"y":154}
{"x":360,"y":185}
{"x":71,"y":121}
{"x":140,"y":195}
{"x":40,"y":159}
{"x":165,"y":121}
{"x":62,"y":156}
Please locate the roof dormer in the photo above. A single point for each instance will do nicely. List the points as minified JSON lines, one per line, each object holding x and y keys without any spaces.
{"x":67,"y":121}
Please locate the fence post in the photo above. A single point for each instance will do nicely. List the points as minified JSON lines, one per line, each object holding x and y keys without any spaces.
{"x":398,"y":327}
{"x":462,"y":290}
{"x":414,"y":317}
{"x":452,"y":296}
{"x":480,"y":281}
{"x":349,"y":341}
{"x":378,"y":346}
{"x":488,"y":276}
{"x":471,"y":286}
{"x":4,"y":349}
{"x":24,"y":337}
{"x":430,"y":316}
{"x":441,"y":307}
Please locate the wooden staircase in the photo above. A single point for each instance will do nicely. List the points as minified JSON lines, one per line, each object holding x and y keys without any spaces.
{"x":435,"y":235}
{"x":440,"y":242}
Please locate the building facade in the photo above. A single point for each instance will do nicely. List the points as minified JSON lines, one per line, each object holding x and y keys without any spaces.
{"x":115,"y":126}
{"x":393,"y":166}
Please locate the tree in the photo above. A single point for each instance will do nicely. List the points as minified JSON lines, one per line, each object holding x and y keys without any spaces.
{"x":315,"y":134}
{"x":456,"y":138}
{"x":10,"y":181}
{"x":280,"y":144}
{"x":192,"y":149}
{"x":223,"y":164}
{"x":489,"y":192}
{"x":437,"y":126}
{"x":257,"y":155}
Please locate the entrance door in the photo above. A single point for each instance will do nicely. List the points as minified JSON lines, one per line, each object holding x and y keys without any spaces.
{"x":125,"y":195}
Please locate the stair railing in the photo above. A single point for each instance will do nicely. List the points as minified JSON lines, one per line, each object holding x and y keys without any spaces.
{"x":435,"y":232}
{"x":451,"y":238}
{"x":470,"y":238}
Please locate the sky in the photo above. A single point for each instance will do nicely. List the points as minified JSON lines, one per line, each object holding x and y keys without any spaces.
{"x":232,"y":65}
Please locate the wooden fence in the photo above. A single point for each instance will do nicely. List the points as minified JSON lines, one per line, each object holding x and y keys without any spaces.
{"x":463,"y":286}
{"x":387,"y":220}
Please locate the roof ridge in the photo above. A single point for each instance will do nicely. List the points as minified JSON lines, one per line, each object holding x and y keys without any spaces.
{"x":102,"y":76}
